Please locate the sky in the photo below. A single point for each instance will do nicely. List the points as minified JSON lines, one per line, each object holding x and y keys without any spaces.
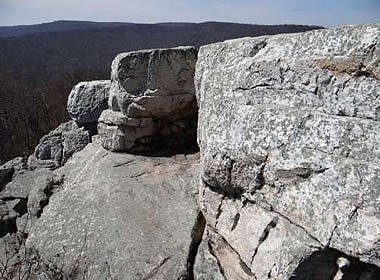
{"x":327,"y":13}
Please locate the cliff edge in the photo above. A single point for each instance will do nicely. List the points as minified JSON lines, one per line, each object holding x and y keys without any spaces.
{"x":285,"y":186}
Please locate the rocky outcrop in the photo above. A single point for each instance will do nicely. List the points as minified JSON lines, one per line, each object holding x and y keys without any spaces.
{"x":86,"y":102}
{"x":123,"y":216}
{"x":152,"y":101}
{"x":64,"y":56}
{"x":59,"y":145}
{"x":289,"y":138}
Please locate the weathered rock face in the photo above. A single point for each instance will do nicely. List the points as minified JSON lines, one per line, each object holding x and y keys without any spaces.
{"x":86,"y":102}
{"x":289,"y":131}
{"x":152,"y":101}
{"x":122,"y":216}
{"x":59,"y":145}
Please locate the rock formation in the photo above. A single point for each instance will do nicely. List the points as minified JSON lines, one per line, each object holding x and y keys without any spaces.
{"x":86,"y":101}
{"x":289,"y":139}
{"x":62,"y":55}
{"x":59,"y":145}
{"x":152,"y":101}
{"x":124,"y":214}
{"x":286,"y":184}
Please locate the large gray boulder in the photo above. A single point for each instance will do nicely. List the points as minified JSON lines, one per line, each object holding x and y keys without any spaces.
{"x":289,"y":131}
{"x":120,"y":216}
{"x":55,"y":148}
{"x":152,"y":101}
{"x":86,"y":102}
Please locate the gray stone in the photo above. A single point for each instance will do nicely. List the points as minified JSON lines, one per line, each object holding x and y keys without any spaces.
{"x":7,"y":219}
{"x":121,"y":133}
{"x":86,"y":102}
{"x":22,"y":184}
{"x":40,"y":194}
{"x":290,"y":150}
{"x":17,"y":164}
{"x":153,"y":88}
{"x":5,"y":176}
{"x":206,"y":266}
{"x":158,"y":72}
{"x":59,"y":145}
{"x":122,"y":216}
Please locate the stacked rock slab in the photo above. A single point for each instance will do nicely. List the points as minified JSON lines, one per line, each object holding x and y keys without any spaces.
{"x":289,"y":132}
{"x":152,"y":101}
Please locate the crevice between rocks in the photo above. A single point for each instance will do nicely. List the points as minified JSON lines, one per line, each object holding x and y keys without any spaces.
{"x":52,"y":184}
{"x":196,"y":239}
{"x":213,"y":251}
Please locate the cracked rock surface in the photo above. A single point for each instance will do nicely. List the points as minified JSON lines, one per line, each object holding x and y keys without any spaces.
{"x":289,"y":131}
{"x":151,"y":101}
{"x":123,"y":216}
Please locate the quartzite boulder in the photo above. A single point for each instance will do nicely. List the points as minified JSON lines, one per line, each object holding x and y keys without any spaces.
{"x":152,"y":101}
{"x":86,"y":102}
{"x":122,"y":216}
{"x":289,"y":132}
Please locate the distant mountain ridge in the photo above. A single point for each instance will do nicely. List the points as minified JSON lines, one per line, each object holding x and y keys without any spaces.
{"x":55,"y":26}
{"x":69,"y":25}
{"x":39,"y":64}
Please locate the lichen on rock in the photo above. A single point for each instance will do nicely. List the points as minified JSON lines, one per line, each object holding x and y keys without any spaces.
{"x":289,"y":139}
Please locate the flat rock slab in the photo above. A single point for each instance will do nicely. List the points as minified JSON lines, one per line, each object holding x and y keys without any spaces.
{"x":121,"y":216}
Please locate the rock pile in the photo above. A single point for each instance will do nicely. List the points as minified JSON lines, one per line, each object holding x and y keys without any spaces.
{"x":152,"y":101}
{"x":289,"y":131}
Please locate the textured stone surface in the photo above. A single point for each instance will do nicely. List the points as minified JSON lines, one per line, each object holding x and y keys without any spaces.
{"x":86,"y":102}
{"x":152,"y":101}
{"x":25,"y":197}
{"x":59,"y":145}
{"x":290,"y":149}
{"x":7,"y":219}
{"x":130,"y":217}
{"x":5,"y":176}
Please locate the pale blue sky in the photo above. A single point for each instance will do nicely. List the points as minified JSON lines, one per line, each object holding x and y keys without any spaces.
{"x":317,"y":12}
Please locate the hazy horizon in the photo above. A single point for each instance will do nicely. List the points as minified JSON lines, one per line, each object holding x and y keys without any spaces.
{"x":326,"y":13}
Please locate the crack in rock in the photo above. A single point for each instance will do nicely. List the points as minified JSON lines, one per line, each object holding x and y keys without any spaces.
{"x":217,"y":251}
{"x":264,"y":235}
{"x":123,"y":163}
{"x":219,"y":211}
{"x":155,"y":270}
{"x":212,"y":252}
{"x":236,"y":221}
{"x":196,"y":239}
{"x":331,"y":236}
{"x":289,"y":220}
